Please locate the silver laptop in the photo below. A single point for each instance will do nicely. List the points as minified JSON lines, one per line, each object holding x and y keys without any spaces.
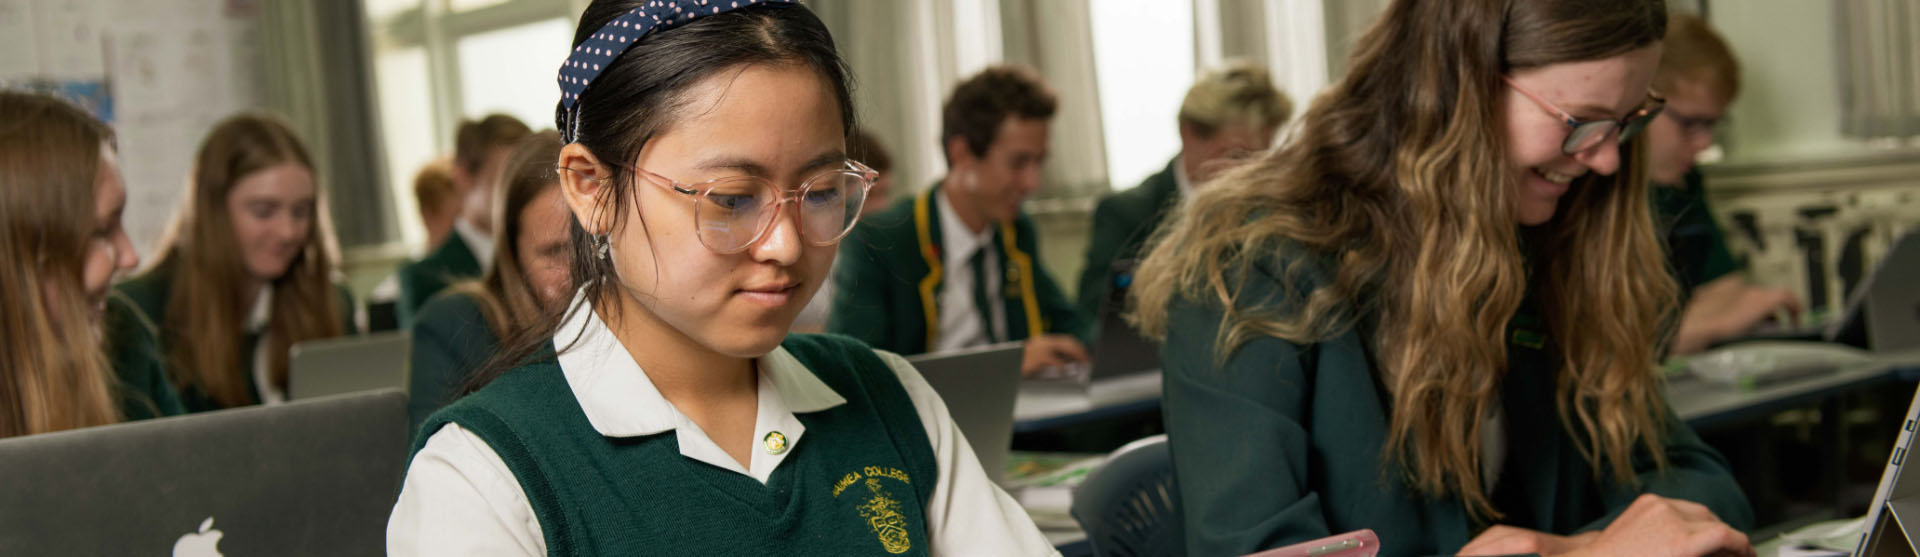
{"x":1893,"y":521}
{"x":1883,"y":313}
{"x":979,"y":385}
{"x":305,"y":478}
{"x":352,"y":364}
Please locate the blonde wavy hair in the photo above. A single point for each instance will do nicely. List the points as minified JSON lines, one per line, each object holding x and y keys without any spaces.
{"x":1395,"y":200}
{"x":54,"y":374}
{"x":205,"y":297}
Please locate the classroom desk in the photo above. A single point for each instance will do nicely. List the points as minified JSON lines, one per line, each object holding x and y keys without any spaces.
{"x":1701,"y":403}
{"x":1704,"y":404}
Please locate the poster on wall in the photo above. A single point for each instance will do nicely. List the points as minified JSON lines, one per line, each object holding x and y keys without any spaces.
{"x":94,"y":95}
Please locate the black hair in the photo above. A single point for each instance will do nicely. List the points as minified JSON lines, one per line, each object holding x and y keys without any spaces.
{"x":642,"y":93}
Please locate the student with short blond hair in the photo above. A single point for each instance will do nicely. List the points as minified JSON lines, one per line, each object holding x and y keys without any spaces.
{"x":1700,"y":78}
{"x":1230,"y":114}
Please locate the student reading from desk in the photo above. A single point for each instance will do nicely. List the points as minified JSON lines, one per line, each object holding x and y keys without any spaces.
{"x":1699,"y":76}
{"x":459,"y":329}
{"x":60,"y":202}
{"x":707,"y":174}
{"x":245,"y":270}
{"x":1435,"y":312}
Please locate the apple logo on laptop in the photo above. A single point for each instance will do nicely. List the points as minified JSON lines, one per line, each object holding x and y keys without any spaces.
{"x":199,"y":544}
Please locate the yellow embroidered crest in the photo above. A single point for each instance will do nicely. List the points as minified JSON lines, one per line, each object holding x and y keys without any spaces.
{"x":883,"y":516}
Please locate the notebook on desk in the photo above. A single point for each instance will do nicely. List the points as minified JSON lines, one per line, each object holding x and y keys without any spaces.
{"x":304,"y":478}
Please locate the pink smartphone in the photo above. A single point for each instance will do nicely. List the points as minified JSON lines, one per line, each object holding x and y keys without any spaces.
{"x":1358,"y":543}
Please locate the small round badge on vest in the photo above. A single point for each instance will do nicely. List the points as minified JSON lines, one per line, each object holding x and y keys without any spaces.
{"x":775,"y":442}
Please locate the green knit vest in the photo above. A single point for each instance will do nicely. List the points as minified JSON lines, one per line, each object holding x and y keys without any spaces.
{"x":858,"y":484}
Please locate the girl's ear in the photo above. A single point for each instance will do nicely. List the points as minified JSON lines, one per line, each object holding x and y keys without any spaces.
{"x":584,"y":183}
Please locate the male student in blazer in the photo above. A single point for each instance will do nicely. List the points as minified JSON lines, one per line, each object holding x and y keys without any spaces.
{"x":481,"y":148}
{"x":1230,"y":113}
{"x":958,"y":265}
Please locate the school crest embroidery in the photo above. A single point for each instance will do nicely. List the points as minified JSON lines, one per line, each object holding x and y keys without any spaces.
{"x":883,"y":516}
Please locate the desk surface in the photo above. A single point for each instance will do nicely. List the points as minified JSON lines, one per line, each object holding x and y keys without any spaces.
{"x":1701,"y":403}
{"x":1706,"y":404}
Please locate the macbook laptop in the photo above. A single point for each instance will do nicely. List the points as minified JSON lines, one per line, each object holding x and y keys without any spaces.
{"x":979,"y":386}
{"x":306,"y":478}
{"x":352,"y":364}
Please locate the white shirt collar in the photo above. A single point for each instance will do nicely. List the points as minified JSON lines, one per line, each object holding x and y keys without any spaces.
{"x":480,"y":243}
{"x":262,"y":310}
{"x":1180,"y":178}
{"x":960,"y":243}
{"x":621,"y":401}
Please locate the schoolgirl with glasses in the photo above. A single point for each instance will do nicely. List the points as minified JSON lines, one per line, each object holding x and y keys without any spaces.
{"x":668,"y":411}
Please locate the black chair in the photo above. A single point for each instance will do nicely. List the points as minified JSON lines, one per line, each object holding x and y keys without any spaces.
{"x":1129,"y":505}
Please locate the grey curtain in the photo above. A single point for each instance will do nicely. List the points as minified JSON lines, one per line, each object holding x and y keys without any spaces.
{"x":874,"y":38}
{"x":1243,"y":31}
{"x":1055,"y":37}
{"x":1879,"y":67}
{"x":314,"y":69}
{"x":1346,"y":21}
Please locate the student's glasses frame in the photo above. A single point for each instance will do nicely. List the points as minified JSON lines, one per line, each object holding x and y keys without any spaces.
{"x":1584,"y":135}
{"x":732,"y":213}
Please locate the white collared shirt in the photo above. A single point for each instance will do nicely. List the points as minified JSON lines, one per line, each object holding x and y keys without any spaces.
{"x":480,"y":243}
{"x":460,"y":498}
{"x":257,"y":319}
{"x":960,"y":322}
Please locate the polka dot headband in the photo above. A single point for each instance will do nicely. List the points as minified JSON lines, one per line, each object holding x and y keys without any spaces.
{"x":598,"y":51}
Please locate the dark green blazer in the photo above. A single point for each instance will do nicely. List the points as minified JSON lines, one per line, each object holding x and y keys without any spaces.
{"x":1276,"y":443}
{"x":451,"y":339}
{"x":887,"y":280}
{"x":148,"y":294}
{"x":1122,"y":224}
{"x":1696,"y":247}
{"x":133,"y":347}
{"x":451,"y":262}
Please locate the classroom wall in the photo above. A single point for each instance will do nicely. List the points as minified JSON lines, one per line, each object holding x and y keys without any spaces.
{"x":162,"y":71}
{"x":1789,"y":106}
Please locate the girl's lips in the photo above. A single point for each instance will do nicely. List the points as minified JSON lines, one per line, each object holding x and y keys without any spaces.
{"x":770,"y":296}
